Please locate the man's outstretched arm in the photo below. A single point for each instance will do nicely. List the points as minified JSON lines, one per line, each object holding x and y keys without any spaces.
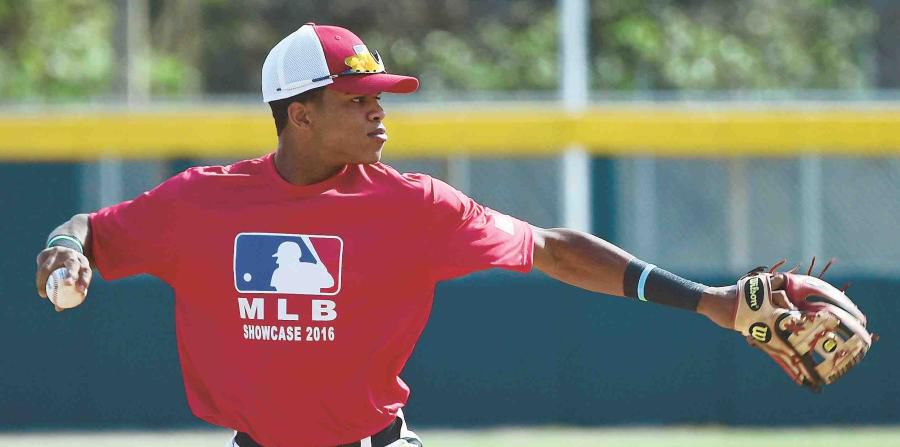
{"x":588,"y":262}
{"x":69,"y":248}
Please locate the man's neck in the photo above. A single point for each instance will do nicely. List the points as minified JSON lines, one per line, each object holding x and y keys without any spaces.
{"x":302,"y":167}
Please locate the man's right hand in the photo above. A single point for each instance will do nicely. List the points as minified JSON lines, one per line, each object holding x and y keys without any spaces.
{"x":53,"y":258}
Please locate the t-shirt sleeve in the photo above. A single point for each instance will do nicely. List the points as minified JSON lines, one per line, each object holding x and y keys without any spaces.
{"x":466,"y":237}
{"x":134,"y":237}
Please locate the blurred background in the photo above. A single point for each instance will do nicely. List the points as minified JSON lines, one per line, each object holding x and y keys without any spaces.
{"x":707,"y":137}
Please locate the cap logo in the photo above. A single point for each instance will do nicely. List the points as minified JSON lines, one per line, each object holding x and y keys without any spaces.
{"x":364,"y":61}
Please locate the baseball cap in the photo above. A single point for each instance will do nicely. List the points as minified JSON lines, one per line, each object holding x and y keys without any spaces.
{"x":319,"y":55}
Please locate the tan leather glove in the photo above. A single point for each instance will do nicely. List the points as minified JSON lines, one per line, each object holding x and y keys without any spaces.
{"x":809,"y":327}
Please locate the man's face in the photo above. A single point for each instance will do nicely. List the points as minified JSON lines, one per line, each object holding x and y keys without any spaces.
{"x":347,"y":128}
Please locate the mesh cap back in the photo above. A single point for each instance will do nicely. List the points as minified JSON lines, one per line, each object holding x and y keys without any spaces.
{"x":292,"y":64}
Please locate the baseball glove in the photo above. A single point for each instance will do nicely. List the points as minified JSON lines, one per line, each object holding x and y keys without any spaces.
{"x":809,"y":327}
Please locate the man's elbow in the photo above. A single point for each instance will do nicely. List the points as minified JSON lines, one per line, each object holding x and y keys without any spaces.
{"x":547,"y":243}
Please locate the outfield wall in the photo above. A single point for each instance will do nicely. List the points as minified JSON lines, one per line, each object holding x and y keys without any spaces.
{"x":477,"y":129}
{"x":534,"y":352}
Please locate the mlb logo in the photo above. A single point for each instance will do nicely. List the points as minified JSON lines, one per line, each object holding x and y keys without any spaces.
{"x":288,"y":263}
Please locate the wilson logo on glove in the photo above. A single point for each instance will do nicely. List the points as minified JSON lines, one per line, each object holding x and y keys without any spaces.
{"x":751,"y":294}
{"x":760,"y":332}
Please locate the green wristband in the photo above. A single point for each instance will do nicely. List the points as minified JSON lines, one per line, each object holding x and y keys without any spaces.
{"x":64,"y":240}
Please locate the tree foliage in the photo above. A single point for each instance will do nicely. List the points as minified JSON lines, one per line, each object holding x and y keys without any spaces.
{"x":54,"y":48}
{"x":747,"y":44}
{"x":64,"y":48}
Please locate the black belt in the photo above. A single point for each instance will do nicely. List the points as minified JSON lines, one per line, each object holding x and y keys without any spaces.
{"x":390,"y":434}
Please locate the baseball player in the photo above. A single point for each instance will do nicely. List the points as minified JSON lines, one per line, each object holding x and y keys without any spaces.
{"x":295,"y":276}
{"x":319,"y":364}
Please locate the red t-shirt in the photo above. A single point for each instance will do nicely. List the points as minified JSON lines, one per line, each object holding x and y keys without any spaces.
{"x":296,"y":307}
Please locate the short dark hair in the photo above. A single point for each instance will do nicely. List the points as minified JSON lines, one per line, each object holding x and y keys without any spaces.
{"x":280,"y":106}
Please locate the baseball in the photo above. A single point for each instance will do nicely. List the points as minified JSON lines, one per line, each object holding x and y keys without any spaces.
{"x":61,"y":294}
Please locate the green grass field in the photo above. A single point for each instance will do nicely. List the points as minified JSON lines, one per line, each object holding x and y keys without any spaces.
{"x":514,"y":437}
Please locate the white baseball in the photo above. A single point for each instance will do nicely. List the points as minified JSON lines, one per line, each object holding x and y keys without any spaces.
{"x":61,"y":294}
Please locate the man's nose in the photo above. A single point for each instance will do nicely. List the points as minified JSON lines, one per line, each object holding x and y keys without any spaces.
{"x":378,"y":114}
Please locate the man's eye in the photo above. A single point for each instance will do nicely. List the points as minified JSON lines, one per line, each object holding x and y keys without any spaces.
{"x":357,"y":99}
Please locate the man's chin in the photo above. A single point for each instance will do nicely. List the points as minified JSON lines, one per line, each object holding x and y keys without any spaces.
{"x":375,"y":157}
{"x":369,"y":159}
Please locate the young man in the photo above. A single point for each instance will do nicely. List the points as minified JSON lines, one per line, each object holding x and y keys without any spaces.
{"x":318,"y":364}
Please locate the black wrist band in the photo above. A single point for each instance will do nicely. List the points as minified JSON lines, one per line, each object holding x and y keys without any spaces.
{"x":65,"y":240}
{"x":647,"y":282}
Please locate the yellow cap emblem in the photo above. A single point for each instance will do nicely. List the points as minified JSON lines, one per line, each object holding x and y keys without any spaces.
{"x":363,"y":63}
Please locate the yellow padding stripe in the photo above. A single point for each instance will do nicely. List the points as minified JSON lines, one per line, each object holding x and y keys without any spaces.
{"x":665,"y":131}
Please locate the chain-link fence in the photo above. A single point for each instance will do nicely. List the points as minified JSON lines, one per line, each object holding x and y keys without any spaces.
{"x":701,"y":215}
{"x":693,"y":215}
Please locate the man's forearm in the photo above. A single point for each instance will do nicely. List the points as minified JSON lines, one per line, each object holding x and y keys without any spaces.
{"x":78,"y":227}
{"x":591,"y":263}
{"x":581,"y":259}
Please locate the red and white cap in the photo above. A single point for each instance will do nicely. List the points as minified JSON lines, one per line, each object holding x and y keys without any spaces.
{"x":318,"y":55}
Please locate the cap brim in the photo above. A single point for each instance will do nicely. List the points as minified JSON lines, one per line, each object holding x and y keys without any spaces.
{"x":370,"y":84}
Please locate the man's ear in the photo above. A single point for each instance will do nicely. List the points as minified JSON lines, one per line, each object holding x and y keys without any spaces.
{"x":299,"y":114}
